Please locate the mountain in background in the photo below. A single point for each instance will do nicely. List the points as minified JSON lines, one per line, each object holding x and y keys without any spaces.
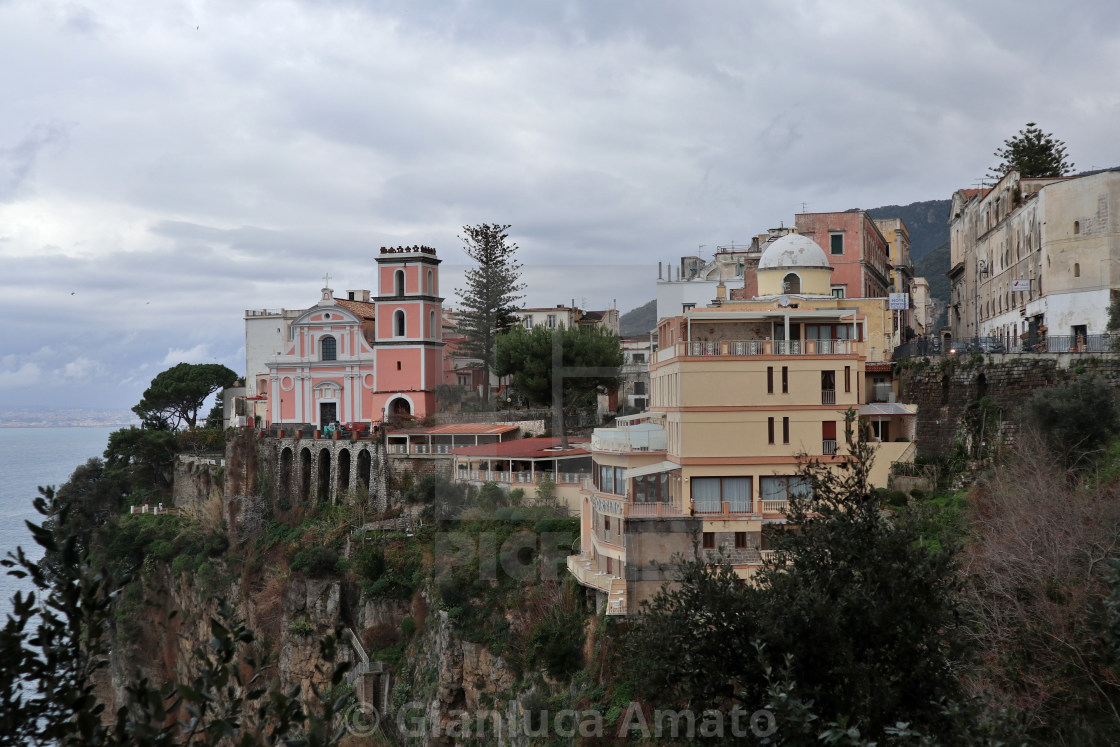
{"x":928,"y":223}
{"x":639,"y":321}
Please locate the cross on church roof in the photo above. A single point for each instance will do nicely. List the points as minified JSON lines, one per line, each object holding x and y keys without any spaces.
{"x":326,"y":279}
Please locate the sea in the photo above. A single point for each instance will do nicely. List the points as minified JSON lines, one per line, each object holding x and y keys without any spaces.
{"x":30,"y":457}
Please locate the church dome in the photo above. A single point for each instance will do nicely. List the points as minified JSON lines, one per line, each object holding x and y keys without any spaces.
{"x":792,"y":250}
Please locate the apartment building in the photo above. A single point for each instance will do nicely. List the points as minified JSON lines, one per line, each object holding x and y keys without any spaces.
{"x":1033,"y":259}
{"x":856,"y":249}
{"x":741,"y":392}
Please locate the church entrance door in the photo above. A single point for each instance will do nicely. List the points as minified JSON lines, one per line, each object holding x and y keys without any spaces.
{"x":328,"y":413}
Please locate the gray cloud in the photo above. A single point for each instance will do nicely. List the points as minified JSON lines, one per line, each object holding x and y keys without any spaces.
{"x":217,"y":158}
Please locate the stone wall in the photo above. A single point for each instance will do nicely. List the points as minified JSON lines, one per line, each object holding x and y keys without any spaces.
{"x":945,"y":389}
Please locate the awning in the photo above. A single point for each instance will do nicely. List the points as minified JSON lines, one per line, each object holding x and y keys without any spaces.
{"x":884,"y":409}
{"x":650,"y":469}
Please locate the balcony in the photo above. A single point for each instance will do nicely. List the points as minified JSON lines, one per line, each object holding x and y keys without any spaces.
{"x":583,"y":568}
{"x":641,"y":437}
{"x":712,"y":509}
{"x":524,"y":478}
{"x":828,"y":447}
{"x":828,"y":396}
{"x":774,"y":507}
{"x":731,"y":348}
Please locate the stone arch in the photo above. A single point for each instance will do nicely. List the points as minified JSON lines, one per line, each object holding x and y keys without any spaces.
{"x":323,"y":484}
{"x":305,"y":475}
{"x":398,"y":407}
{"x":365,"y":470}
{"x":791,"y":283}
{"x":342,"y":482}
{"x":287,"y":459}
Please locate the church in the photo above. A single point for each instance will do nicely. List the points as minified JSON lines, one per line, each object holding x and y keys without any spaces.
{"x":354,"y":360}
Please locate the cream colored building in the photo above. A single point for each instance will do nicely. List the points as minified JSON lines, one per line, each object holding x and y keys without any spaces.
{"x":1035,"y":259}
{"x":742,"y":392}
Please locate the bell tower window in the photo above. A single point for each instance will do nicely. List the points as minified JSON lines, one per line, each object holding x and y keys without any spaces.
{"x":398,"y":283}
{"x":398,"y":323}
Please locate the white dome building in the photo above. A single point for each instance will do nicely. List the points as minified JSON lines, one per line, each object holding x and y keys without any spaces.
{"x":794,"y":265}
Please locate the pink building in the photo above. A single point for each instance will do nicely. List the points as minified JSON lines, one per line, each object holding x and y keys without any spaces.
{"x":856,"y":250}
{"x":343,"y":363}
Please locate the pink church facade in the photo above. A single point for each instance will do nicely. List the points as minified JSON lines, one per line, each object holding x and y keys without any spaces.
{"x":341,"y":365}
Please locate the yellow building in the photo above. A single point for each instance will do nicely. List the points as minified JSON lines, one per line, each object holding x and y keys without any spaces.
{"x":741,"y":393}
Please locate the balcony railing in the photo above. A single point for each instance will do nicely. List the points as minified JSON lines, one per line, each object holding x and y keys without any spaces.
{"x":525,"y":478}
{"x":627,"y":439}
{"x":649,"y":510}
{"x":724,"y":508}
{"x":994,"y":345}
{"x":722,"y":348}
{"x":828,"y":447}
{"x":828,"y":396}
{"x":774,"y":507}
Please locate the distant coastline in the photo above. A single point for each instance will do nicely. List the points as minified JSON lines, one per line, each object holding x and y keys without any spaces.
{"x":65,"y":417}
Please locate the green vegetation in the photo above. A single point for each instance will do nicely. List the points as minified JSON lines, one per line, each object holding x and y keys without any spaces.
{"x":1076,"y":419}
{"x":176,"y":395}
{"x":489,"y":301}
{"x":1034,"y":153}
{"x":562,"y":368}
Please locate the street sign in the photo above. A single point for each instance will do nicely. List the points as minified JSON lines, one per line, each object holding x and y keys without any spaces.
{"x":900,"y":301}
{"x":1021,"y":285}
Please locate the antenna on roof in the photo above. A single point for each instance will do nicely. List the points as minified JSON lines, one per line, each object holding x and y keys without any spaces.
{"x":803,"y":207}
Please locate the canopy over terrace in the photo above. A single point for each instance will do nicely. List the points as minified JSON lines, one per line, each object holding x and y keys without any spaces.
{"x":441,"y":439}
{"x":524,"y":462}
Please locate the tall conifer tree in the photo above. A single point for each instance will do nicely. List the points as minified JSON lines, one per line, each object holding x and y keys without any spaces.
{"x":493,"y":287}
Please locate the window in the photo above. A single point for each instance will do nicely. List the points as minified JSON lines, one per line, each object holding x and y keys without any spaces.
{"x":639,"y":358}
{"x":781,"y":487}
{"x":398,"y":365}
{"x":639,"y":387}
{"x":432,"y":324}
{"x":710,"y":493}
{"x":769,"y":379}
{"x":785,"y":379}
{"x":606,"y":523}
{"x":652,"y":488}
{"x":431,"y":284}
{"x":528,"y":322}
{"x":838,"y":291}
{"x":398,"y":283}
{"x":847,"y":378}
{"x":552,"y":321}
{"x":1076,"y":227}
{"x":328,"y":349}
{"x":836,"y":243}
{"x":1077,"y":269}
{"x":770,"y":430}
{"x":398,"y":323}
{"x":785,"y":430}
{"x":791,"y":283}
{"x":740,"y":540}
{"x":709,"y":540}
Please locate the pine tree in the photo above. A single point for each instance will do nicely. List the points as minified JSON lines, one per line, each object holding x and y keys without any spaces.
{"x":489,"y":300}
{"x":1034,"y":153}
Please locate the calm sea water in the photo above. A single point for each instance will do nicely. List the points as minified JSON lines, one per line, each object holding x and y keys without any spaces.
{"x":30,"y":457}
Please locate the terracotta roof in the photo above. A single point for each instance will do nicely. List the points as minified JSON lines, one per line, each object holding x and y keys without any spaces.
{"x":527,"y":448}
{"x":877,"y":367}
{"x":481,"y":429}
{"x":361,"y":309}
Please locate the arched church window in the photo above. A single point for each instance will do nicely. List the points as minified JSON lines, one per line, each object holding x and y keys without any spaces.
{"x":328,"y":349}
{"x":432,"y":325}
{"x":431,"y":284}
{"x":398,"y":283}
{"x":791,"y":283}
{"x":398,"y":323}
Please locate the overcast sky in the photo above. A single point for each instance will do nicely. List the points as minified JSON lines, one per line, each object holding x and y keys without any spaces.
{"x":165,"y":166}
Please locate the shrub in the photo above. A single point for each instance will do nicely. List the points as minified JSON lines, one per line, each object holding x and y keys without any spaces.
{"x":301,"y":627}
{"x":1059,"y":414}
{"x":408,"y":627}
{"x":317,"y":562}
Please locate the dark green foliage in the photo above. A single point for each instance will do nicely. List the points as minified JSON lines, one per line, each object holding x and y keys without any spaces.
{"x":493,"y":288}
{"x":438,"y":491}
{"x":1114,"y":313}
{"x":317,"y":562}
{"x":557,"y":642}
{"x":1076,"y":419}
{"x":1034,"y":153}
{"x":175,"y":396}
{"x":142,"y":458}
{"x":856,"y":610}
{"x":53,"y":644}
{"x":561,"y":368}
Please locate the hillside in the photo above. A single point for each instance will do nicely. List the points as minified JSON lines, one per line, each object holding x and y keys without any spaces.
{"x":639,"y":321}
{"x":932,"y":266}
{"x":928,"y":223}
